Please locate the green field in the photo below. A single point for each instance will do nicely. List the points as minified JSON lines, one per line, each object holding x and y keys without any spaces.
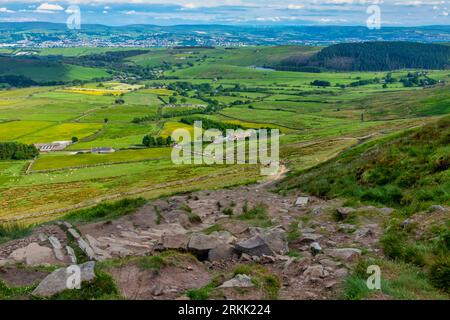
{"x":316,"y":123}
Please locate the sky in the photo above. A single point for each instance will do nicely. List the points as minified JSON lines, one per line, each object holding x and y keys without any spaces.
{"x":233,"y":12}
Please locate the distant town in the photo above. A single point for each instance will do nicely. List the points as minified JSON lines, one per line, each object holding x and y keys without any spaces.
{"x":48,"y":35}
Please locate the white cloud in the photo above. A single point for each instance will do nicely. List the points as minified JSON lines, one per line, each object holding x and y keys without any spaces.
{"x":189,"y":6}
{"x":49,"y":7}
{"x":6,"y":10}
{"x":295,"y":6}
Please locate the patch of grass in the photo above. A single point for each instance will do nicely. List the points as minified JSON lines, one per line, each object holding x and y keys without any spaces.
{"x":271,"y":285}
{"x":294,"y":254}
{"x":293,"y":232}
{"x":106,"y":211}
{"x":228,"y":211}
{"x":153,"y":262}
{"x":262,"y":278}
{"x":204,"y":292}
{"x":192,"y":217}
{"x":166,"y":258}
{"x":399,"y":280}
{"x":7,"y":293}
{"x":407,"y":171}
{"x":439,"y":274}
{"x":214,"y":228}
{"x":397,"y":247}
{"x":158,"y":216}
{"x":256,"y":216}
{"x":72,"y":242}
{"x":11,"y":231}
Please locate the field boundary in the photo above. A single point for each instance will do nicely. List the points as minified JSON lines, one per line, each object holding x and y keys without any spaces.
{"x":97,"y":165}
{"x":93,"y":202}
{"x":269,"y":123}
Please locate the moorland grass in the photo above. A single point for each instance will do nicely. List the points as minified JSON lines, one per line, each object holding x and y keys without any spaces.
{"x":106,"y":211}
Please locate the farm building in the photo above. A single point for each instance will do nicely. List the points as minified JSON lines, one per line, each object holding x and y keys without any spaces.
{"x":103,"y":150}
{"x":54,"y":146}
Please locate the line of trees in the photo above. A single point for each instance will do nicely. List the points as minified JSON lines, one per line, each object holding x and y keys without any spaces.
{"x":17,"y":151}
{"x":211,"y":124}
{"x":150,"y":141}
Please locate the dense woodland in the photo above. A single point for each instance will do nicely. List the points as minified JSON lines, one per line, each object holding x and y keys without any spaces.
{"x":373,"y":56}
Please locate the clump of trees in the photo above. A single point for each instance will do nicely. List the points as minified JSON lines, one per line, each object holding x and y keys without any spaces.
{"x":321,"y":83}
{"x":150,"y":141}
{"x":17,"y":151}
{"x":417,"y":79}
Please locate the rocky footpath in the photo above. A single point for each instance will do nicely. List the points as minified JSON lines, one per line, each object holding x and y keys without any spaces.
{"x":307,"y":244}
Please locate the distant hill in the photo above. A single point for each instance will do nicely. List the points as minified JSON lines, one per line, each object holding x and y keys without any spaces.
{"x":374,"y":56}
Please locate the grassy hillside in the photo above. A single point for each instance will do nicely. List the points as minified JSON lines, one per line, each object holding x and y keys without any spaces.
{"x":409,"y":171}
{"x":44,"y":71}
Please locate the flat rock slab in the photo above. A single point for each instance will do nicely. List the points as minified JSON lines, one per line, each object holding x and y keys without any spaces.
{"x":344,"y":254}
{"x":175,"y":242}
{"x":33,"y":255}
{"x":56,"y":282}
{"x":302,"y":201}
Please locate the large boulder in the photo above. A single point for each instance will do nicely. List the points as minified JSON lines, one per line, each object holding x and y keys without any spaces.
{"x":56,"y":282}
{"x":33,"y":255}
{"x":275,"y":238}
{"x":255,"y":246}
{"x":200,"y":244}
{"x":221,"y":252}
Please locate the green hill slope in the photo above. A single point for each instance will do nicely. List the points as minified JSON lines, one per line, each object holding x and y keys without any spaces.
{"x":44,"y":71}
{"x":409,"y":171}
